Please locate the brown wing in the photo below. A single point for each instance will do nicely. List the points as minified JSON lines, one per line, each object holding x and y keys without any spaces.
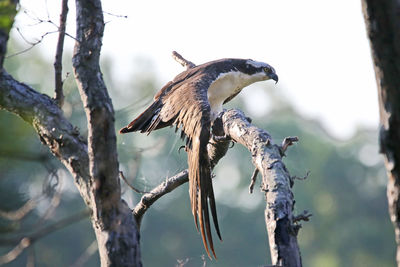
{"x":150,"y":119}
{"x":188,"y":106}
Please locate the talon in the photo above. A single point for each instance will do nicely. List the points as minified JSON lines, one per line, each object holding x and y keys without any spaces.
{"x":179,"y":149}
{"x":232,"y":144}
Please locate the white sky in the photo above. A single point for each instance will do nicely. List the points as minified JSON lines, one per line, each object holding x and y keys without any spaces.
{"x":319,"y":48}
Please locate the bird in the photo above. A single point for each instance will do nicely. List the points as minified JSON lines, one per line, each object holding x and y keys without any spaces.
{"x":191,"y":102}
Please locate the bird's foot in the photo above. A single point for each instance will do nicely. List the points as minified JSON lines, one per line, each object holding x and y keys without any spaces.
{"x":221,"y":138}
{"x":185,"y":147}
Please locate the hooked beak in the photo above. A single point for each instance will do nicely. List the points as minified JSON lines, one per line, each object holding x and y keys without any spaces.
{"x":274,"y":77}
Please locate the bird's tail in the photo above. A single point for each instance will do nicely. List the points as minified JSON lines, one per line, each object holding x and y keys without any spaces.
{"x":201,"y":192}
{"x":148,"y":121}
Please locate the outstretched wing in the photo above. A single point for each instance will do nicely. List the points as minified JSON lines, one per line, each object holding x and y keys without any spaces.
{"x":189,"y":109}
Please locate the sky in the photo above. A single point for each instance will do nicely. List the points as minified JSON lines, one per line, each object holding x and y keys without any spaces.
{"x":319,"y":48}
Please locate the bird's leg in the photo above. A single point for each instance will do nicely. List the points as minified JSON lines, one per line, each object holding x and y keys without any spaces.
{"x":217,"y":130}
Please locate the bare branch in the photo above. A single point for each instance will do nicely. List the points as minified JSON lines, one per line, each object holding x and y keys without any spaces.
{"x":20,"y":213}
{"x":115,"y":15}
{"x":81,"y":261}
{"x":304,"y":216}
{"x":53,"y":128}
{"x":121,"y":174}
{"x":185,"y":63}
{"x":165,"y":187}
{"x":59,"y":95}
{"x":15,"y":252}
{"x":21,"y":243}
{"x":288,"y":141}
{"x":301,"y":178}
{"x":267,"y":159}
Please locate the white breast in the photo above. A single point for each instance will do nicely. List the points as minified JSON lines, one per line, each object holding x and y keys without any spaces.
{"x":226,"y":85}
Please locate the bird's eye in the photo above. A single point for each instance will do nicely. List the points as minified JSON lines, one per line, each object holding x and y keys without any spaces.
{"x":267,"y":70}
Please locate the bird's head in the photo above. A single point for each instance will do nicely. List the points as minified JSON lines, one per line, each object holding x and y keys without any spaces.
{"x":263,"y":70}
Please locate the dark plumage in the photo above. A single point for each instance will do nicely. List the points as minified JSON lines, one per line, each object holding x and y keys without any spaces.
{"x":191,"y":102}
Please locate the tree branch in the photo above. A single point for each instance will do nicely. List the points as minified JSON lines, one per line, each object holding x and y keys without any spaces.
{"x":184,"y":62}
{"x":21,"y":243}
{"x":59,"y":95}
{"x":267,"y":159}
{"x":165,"y":187}
{"x":115,"y":228}
{"x":54,"y":130}
{"x":94,"y":166}
{"x":103,"y":163}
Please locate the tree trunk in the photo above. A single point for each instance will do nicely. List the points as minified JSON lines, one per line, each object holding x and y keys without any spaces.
{"x":94,"y":165}
{"x":382,"y":20}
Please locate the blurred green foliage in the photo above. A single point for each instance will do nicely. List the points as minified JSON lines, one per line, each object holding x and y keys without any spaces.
{"x":345,"y":191}
{"x":7,"y":13}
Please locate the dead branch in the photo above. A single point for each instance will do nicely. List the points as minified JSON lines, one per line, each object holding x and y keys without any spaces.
{"x":267,"y":159}
{"x":304,"y":216}
{"x":21,"y":243}
{"x":121,"y":174}
{"x":165,"y":187}
{"x":59,"y":95}
{"x":288,"y":141}
{"x":81,"y":261}
{"x":21,"y":212}
{"x":184,"y":62}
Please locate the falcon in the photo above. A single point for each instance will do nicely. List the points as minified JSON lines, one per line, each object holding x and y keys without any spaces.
{"x":191,"y":102}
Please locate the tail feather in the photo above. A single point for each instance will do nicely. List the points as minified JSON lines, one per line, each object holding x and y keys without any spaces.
{"x":147,"y":121}
{"x":202,"y":194}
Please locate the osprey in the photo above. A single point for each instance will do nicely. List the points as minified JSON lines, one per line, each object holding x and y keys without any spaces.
{"x":191,"y":102}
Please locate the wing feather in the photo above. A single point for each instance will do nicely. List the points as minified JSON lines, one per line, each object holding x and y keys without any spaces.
{"x":189,"y":107}
{"x":183,"y":102}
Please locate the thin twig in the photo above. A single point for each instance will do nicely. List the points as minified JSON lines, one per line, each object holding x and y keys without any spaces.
{"x":301,"y":178}
{"x":115,"y":15}
{"x":288,"y":141}
{"x":31,"y":259}
{"x":165,"y":187}
{"x":33,"y":44}
{"x":59,"y":95}
{"x":20,"y":213}
{"x":253,"y":180}
{"x":21,"y":243}
{"x":121,"y":174}
{"x":184,"y":62}
{"x":91,"y":249}
{"x":305,"y":216}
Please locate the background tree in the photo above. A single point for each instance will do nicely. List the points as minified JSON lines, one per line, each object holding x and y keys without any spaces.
{"x":383,"y":25}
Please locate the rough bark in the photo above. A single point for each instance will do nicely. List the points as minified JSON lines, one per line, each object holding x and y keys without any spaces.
{"x":382,"y":20}
{"x":277,"y":183}
{"x":116,"y":230}
{"x":94,"y":164}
